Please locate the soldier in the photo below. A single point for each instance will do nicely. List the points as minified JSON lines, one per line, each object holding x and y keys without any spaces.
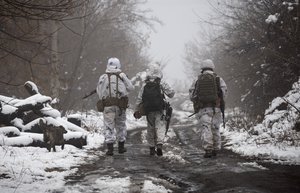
{"x":207,"y":94}
{"x":112,"y":89}
{"x":152,"y":96}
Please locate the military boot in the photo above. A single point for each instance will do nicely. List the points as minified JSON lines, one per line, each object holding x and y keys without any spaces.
{"x":110,"y":149}
{"x":208,"y":154}
{"x":152,"y":151}
{"x":159,"y":150}
{"x":214,"y":153}
{"x":121,"y":147}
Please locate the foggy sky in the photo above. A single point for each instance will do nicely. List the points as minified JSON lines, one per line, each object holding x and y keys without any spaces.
{"x":180,"y":18}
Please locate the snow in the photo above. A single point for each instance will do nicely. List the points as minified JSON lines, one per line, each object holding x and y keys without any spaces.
{"x":8,"y":109}
{"x":276,"y":102}
{"x":75,"y":115}
{"x":68,"y":125}
{"x":33,"y":86}
{"x":19,"y":122}
{"x":253,"y":165}
{"x":49,"y":111}
{"x":34,"y":99}
{"x":8,"y":100}
{"x":113,"y":185}
{"x":274,"y":139}
{"x":9,"y":129}
{"x":149,"y":187}
{"x":49,"y":121}
{"x":17,"y":141}
{"x":172,"y":157}
{"x":74,"y":135}
{"x":32,"y":169}
{"x":10,"y":105}
{"x":272,"y":18}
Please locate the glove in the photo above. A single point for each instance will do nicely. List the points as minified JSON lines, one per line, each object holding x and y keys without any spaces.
{"x":137,"y":114}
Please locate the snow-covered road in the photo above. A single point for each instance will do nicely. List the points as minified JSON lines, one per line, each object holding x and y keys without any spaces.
{"x":181,"y":169}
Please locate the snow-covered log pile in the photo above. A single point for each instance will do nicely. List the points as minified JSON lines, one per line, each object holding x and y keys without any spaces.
{"x":20,"y":121}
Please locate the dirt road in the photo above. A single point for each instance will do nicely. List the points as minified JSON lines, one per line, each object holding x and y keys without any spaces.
{"x":183,"y":169}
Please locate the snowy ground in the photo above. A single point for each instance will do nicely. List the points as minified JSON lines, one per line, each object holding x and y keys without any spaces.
{"x":276,"y":138}
{"x":32,"y":169}
{"x":262,"y":145}
{"x":28,"y":169}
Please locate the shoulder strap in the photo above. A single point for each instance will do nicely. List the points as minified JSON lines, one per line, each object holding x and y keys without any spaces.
{"x":109,"y":83}
{"x":196,"y":84}
{"x":219,"y":86}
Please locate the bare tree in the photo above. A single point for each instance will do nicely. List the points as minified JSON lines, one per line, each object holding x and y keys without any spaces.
{"x":28,"y":41}
{"x":63,"y":45}
{"x":258,"y":49}
{"x":113,"y":31}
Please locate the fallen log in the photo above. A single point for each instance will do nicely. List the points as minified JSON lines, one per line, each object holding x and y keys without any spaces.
{"x":76,"y":139}
{"x":9,"y":131}
{"x":31,"y":117}
{"x":12,"y":109}
{"x":31,"y":88}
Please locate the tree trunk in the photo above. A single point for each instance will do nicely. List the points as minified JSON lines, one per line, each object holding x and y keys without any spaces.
{"x":54,"y":61}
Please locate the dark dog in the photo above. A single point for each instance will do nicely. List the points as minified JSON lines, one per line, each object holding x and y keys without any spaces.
{"x":53,"y":135}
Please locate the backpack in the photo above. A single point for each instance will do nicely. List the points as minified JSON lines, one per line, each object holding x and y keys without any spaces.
{"x":207,"y":89}
{"x":153,"y":98}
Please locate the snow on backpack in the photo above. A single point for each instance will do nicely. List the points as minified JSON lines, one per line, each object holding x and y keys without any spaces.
{"x":206,"y":93}
{"x":153,"y":98}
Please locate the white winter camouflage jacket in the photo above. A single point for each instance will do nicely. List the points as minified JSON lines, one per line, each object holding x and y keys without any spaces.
{"x":124,"y":85}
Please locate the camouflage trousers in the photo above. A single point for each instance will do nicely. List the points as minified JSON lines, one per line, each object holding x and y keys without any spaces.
{"x":156,"y":128}
{"x":209,"y":124}
{"x":115,"y":124}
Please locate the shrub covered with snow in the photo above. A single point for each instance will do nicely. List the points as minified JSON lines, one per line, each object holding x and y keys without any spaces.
{"x":279,"y":123}
{"x":277,"y":136}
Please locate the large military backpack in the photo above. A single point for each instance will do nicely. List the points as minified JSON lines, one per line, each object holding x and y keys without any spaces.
{"x":153,"y":98}
{"x":207,"y":89}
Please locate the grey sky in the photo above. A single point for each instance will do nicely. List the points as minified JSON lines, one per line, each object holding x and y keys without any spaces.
{"x":180,"y":18}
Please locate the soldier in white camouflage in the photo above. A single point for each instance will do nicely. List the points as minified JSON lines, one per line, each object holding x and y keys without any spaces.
{"x":112,"y":89}
{"x":156,"y":123}
{"x":209,"y":115}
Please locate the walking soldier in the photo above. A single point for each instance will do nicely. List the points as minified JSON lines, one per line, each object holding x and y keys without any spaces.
{"x":112,"y":89}
{"x":207,"y":94}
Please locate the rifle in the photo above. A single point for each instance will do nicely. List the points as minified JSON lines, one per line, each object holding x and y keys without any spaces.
{"x":192,"y":114}
{"x":91,"y":93}
{"x":222,"y":107}
{"x":169,"y":111}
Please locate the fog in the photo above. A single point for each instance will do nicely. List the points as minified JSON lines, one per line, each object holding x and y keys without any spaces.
{"x":180,"y":24}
